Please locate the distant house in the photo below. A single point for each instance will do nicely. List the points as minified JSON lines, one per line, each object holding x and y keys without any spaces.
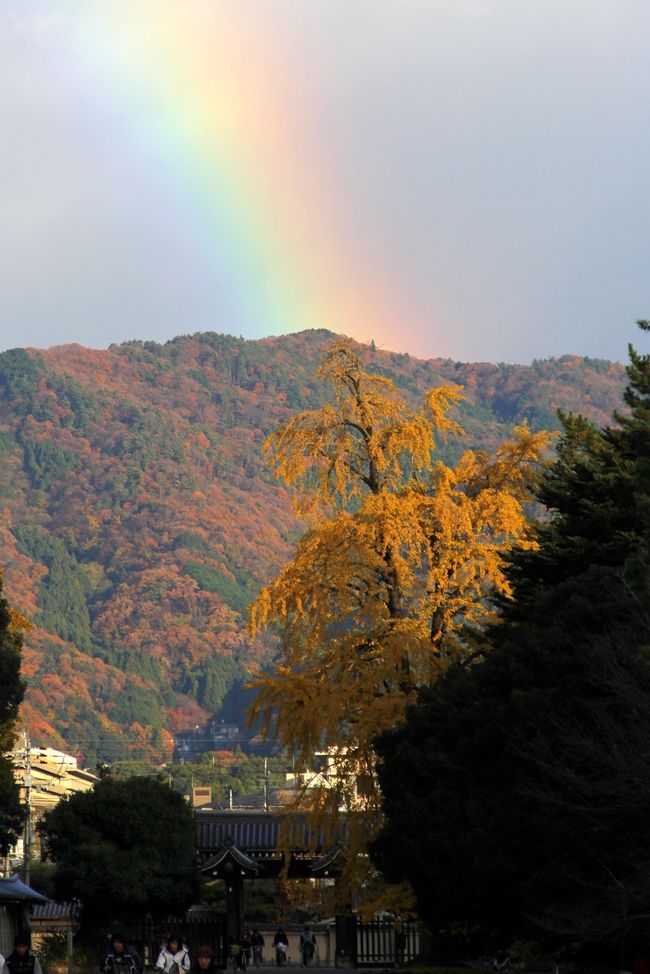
{"x":45,"y":776}
{"x":216,"y":736}
{"x":223,"y":733}
{"x":327,"y":773}
{"x":201,"y":795}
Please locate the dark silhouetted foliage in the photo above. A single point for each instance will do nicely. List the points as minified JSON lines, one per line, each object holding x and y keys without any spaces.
{"x":516,"y":793}
{"x":11,"y":694}
{"x":124,"y":849}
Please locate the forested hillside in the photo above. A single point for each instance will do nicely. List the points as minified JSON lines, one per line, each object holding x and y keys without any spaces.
{"x":140,"y":519}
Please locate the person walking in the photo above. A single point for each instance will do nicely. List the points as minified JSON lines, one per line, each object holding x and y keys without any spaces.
{"x":245,"y":944}
{"x":204,"y":963}
{"x":280,"y":942}
{"x":174,"y":957}
{"x":257,"y":943}
{"x":642,"y":963}
{"x":22,"y":960}
{"x":307,"y":947}
{"x":120,"y":957}
{"x":234,"y":950}
{"x":400,"y":946}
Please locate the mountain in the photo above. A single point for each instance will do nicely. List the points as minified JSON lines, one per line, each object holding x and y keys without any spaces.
{"x":140,"y":518}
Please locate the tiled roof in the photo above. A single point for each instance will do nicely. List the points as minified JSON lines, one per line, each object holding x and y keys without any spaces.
{"x":55,"y":911}
{"x":250,"y":830}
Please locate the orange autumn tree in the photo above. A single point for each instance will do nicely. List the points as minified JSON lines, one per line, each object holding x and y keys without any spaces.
{"x":396,"y":574}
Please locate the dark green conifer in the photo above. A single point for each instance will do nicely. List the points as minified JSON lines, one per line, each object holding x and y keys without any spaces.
{"x":516,"y":795}
{"x":11,"y":693}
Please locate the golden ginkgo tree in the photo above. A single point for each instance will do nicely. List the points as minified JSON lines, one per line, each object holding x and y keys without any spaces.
{"x":397,"y":571}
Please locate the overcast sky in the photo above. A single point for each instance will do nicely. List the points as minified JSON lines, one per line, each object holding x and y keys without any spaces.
{"x":462,"y":178}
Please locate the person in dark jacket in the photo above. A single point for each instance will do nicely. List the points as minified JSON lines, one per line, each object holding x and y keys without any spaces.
{"x":642,"y":963}
{"x":245,"y":956}
{"x":257,"y":943}
{"x":234,"y":950}
{"x":307,"y":947}
{"x":280,"y":942}
{"x":120,"y":957}
{"x":204,"y":963}
{"x":21,"y":960}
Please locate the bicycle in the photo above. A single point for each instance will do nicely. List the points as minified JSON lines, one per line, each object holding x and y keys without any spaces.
{"x":494,"y":964}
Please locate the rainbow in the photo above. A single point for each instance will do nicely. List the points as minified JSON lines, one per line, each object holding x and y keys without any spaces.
{"x":209,"y":97}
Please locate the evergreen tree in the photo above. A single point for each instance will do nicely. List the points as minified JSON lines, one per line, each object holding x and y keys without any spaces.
{"x":516,"y":793}
{"x":124,"y":849}
{"x":12,"y":627}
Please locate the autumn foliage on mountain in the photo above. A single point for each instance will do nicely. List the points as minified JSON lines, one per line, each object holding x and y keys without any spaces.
{"x":140,"y":518}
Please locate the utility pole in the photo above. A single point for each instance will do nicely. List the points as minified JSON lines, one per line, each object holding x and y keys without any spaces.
{"x":27,"y":781}
{"x":264,"y":781}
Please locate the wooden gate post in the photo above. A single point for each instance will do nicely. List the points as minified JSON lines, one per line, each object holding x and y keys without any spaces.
{"x":234,"y":901}
{"x":346,"y":941}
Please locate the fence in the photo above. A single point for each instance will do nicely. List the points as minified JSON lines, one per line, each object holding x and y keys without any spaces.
{"x":195,"y":929}
{"x":373,"y":944}
{"x":378,"y":943}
